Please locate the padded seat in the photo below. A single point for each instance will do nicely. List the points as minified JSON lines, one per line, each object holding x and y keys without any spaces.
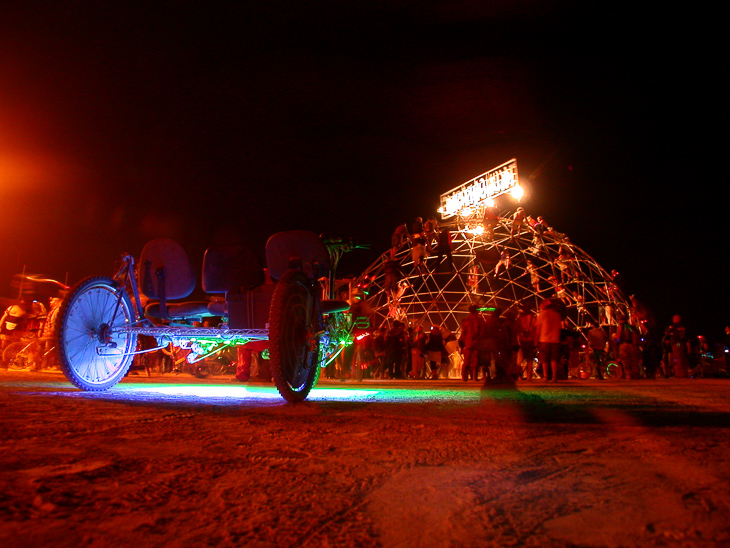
{"x":165,"y":273}
{"x":231,"y":268}
{"x":297,"y":249}
{"x":305,"y":250}
{"x":236,"y":271}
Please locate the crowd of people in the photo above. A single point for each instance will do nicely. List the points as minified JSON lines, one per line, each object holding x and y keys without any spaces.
{"x":493,"y":347}
{"x":623,"y":336}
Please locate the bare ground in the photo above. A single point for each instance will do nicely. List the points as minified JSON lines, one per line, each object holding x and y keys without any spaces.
{"x":181,"y":462}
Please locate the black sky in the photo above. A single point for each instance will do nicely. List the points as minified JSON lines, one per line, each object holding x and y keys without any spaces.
{"x":120,"y":122}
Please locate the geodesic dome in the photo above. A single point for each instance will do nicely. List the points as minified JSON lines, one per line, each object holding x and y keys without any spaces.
{"x":493,"y":268}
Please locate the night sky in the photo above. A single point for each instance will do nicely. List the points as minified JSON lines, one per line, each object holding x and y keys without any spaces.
{"x":123,"y":121}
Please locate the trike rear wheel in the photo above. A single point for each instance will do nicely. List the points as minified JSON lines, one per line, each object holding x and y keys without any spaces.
{"x":293,"y":340}
{"x":93,"y":353}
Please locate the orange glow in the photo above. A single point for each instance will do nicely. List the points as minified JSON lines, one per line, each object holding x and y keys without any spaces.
{"x":28,"y":161}
{"x":28,"y":171}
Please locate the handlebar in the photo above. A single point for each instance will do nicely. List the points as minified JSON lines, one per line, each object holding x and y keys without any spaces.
{"x":343,"y":244}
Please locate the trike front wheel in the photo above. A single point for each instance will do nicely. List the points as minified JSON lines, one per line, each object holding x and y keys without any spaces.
{"x":293,"y":339}
{"x":93,"y":353}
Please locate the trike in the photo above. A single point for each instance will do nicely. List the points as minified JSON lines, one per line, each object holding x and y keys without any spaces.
{"x":101,"y":318}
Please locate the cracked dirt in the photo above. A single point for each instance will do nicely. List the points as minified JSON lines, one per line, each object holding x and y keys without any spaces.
{"x":181,"y":462}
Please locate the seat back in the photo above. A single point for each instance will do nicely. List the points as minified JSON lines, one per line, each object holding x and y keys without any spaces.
{"x":297,"y":249}
{"x":231,"y":268}
{"x":165,"y":271}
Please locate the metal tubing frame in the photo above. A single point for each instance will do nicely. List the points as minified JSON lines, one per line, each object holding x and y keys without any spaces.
{"x":224,"y":337}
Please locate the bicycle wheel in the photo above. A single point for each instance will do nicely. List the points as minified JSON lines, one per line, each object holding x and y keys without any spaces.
{"x":614,"y":371}
{"x":293,"y":345}
{"x":16,"y":356}
{"x":200,"y":369}
{"x":584,"y":370}
{"x":216,"y":367}
{"x":93,"y":353}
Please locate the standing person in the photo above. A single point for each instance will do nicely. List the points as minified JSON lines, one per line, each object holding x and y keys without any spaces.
{"x":504,"y":260}
{"x":518,"y":220}
{"x":417,"y":227}
{"x":406,"y":364}
{"x":493,"y":347}
{"x":419,"y":254}
{"x":680,"y":347}
{"x":628,"y":347}
{"x":395,"y":347}
{"x":418,"y":353}
{"x":430,"y":232}
{"x":360,"y":311}
{"x":565,"y":262}
{"x":666,"y":363}
{"x":452,"y":348}
{"x":490,"y":221}
{"x":534,"y":276}
{"x":444,"y":247}
{"x":649,"y":353}
{"x":571,"y":341}
{"x":244,"y":355}
{"x":597,"y":340}
{"x":435,"y":350}
{"x":399,"y":237}
{"x":378,"y":345}
{"x":547,"y":338}
{"x":392,"y":275}
{"x":525,"y":328}
{"x":472,"y":329}
{"x":48,"y":335}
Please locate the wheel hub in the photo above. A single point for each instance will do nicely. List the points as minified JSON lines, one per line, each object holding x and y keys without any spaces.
{"x":104,"y":335}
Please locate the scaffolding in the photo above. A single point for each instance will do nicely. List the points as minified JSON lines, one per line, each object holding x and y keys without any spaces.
{"x":498,"y":266}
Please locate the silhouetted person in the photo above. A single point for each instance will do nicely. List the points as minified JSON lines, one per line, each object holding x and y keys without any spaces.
{"x":472,"y":330}
{"x":547,"y":338}
{"x":434,"y":351}
{"x":597,"y":340}
{"x":399,"y":237}
{"x":680,"y":347}
{"x":525,"y":329}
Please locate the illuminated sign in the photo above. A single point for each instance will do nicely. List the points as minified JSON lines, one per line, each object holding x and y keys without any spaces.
{"x":465,"y":199}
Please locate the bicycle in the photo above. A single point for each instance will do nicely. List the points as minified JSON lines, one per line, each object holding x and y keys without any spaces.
{"x":609,"y":369}
{"x":26,"y":353}
{"x":709,"y":366}
{"x":101,"y":318}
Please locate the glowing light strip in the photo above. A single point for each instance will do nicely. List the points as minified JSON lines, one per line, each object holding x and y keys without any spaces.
{"x":241,"y":392}
{"x":476,"y":192}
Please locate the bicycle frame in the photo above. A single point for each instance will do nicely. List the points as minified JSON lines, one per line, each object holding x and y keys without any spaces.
{"x":203,"y":342}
